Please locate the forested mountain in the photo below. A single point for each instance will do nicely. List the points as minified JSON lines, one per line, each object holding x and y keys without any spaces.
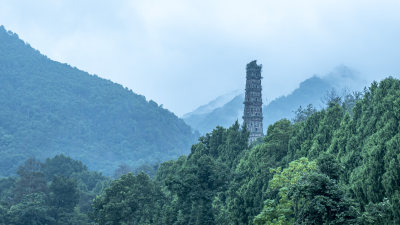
{"x":311,"y":91}
{"x":49,"y":108}
{"x":338,"y":165}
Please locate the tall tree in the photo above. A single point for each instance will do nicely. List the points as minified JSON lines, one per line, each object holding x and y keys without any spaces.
{"x":31,"y":179}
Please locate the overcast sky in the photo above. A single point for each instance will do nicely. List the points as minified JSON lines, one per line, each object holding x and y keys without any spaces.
{"x":184,"y":53}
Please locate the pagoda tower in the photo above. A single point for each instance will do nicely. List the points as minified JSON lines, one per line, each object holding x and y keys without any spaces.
{"x":252,"y":116}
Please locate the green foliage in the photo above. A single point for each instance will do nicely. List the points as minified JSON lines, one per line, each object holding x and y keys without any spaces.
{"x":130,"y":200}
{"x":7,"y":185}
{"x":194,"y":185}
{"x":351,"y":175}
{"x":377,"y":122}
{"x":34,"y":198}
{"x":282,"y":212}
{"x":301,"y":114}
{"x":32,"y":209}
{"x":64,"y":194}
{"x":31,"y":179}
{"x":149,"y":169}
{"x":301,"y":141}
{"x":350,"y":169}
{"x":329,"y":166}
{"x":319,"y":200}
{"x":61,"y":165}
{"x":247,"y":192}
{"x":49,"y":108}
{"x":306,"y":197}
{"x":378,"y":213}
{"x":3,"y":215}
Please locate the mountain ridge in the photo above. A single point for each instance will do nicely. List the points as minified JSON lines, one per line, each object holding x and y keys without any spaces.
{"x":51,"y":108}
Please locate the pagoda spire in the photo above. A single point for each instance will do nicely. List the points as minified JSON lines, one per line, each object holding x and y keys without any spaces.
{"x":253,"y":116}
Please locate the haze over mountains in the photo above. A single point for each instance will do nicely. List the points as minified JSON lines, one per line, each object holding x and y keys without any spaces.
{"x":79,"y":149}
{"x":311,"y":91}
{"x":337,"y":165}
{"x":50,"y":108}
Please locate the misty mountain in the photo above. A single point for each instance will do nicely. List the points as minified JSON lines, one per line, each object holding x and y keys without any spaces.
{"x":221,"y":116}
{"x":50,"y":108}
{"x":311,"y":91}
{"x":214,"y":104}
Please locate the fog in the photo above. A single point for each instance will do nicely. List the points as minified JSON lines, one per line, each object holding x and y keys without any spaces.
{"x":183,"y":54}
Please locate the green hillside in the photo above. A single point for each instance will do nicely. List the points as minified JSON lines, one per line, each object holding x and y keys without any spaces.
{"x":49,"y":108}
{"x":338,"y":165}
{"x":334,"y":166}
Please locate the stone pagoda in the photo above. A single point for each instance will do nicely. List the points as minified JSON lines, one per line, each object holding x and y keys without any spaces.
{"x":253,"y":116}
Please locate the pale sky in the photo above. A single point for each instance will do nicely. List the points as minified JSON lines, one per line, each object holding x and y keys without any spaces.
{"x":183,"y":54}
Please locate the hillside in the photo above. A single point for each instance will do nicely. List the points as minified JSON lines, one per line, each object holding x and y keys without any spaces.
{"x":311,"y":91}
{"x":50,"y":108}
{"x":332,"y":167}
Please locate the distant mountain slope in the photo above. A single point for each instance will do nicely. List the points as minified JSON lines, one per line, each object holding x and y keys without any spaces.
{"x":221,"y":116}
{"x":48,"y":108}
{"x":214,"y":104}
{"x":310,"y":91}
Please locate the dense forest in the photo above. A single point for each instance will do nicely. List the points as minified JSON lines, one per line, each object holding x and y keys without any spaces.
{"x":49,"y":108}
{"x":57,"y":191}
{"x":338,"y":165}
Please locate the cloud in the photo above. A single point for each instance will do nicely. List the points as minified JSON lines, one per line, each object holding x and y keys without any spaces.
{"x":185,"y":53}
